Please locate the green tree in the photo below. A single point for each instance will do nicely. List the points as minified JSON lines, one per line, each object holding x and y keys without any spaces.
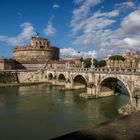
{"x":117,"y":57}
{"x":101,"y":63}
{"x":87,"y":62}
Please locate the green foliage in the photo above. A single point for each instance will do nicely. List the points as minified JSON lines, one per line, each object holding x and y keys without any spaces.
{"x":101,"y":63}
{"x":87,"y":63}
{"x":117,"y":57}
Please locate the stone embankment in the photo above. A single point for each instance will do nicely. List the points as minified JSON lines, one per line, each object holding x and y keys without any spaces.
{"x":127,"y":110}
{"x":14,"y":78}
{"x":8,"y":78}
{"x":124,"y":128}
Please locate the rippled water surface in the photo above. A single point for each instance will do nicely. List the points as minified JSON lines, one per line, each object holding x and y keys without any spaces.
{"x":42,"y":112}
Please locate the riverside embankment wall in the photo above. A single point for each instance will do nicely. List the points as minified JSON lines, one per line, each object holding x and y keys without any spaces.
{"x":30,"y":76}
{"x":17,"y":77}
{"x":7,"y":77}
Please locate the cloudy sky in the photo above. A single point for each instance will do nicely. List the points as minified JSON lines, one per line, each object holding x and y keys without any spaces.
{"x":95,"y":28}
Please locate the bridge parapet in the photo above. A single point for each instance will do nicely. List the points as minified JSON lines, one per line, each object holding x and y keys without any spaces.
{"x":117,"y":70}
{"x":71,"y":69}
{"x":99,"y":70}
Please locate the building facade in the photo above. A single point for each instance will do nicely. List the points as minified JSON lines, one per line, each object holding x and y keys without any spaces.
{"x":131,"y":60}
{"x":6,"y":64}
{"x":66,"y":63}
{"x":36,"y":55}
{"x":38,"y":52}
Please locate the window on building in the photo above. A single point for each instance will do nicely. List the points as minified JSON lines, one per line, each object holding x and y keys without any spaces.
{"x":36,"y":44}
{"x":42,"y":46}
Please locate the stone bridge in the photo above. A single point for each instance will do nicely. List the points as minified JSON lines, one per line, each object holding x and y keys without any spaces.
{"x":99,"y":82}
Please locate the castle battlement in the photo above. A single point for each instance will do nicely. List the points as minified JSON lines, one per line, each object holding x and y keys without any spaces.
{"x":30,"y":48}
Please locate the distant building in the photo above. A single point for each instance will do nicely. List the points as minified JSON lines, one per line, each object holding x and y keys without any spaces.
{"x":131,"y":60}
{"x":6,"y":64}
{"x":35,"y":55}
{"x":66,"y":63}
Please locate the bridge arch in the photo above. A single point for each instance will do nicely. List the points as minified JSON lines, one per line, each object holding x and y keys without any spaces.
{"x":50,"y":76}
{"x":61,"y":77}
{"x":111,"y":82}
{"x":80,"y":79}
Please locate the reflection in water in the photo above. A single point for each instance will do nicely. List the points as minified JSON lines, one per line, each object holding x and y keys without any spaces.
{"x":42,"y":112}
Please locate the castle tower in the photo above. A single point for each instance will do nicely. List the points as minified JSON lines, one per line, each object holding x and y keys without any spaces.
{"x":38,"y":51}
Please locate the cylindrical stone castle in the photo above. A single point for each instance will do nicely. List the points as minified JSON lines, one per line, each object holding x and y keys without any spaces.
{"x":35,"y":55}
{"x":39,"y":50}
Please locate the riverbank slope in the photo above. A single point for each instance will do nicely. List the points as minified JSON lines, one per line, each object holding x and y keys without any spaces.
{"x":124,"y":128}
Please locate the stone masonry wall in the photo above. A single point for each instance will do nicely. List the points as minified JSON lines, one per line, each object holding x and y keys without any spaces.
{"x":31,"y":77}
{"x":8,"y":77}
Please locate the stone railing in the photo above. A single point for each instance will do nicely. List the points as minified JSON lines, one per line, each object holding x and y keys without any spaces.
{"x":117,"y":71}
{"x":97,"y":70}
{"x":64,"y":69}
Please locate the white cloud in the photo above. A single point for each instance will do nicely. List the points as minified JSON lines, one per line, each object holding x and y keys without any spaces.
{"x":50,"y":30}
{"x":72,"y":53}
{"x":21,"y":39}
{"x":127,"y":4}
{"x":82,"y":12}
{"x":81,"y":18}
{"x":131,"y":23}
{"x":109,"y":14}
{"x":132,"y":42}
{"x":94,"y":28}
{"x":55,"y":6}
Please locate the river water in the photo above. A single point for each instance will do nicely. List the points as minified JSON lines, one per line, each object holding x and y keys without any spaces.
{"x":42,"y":112}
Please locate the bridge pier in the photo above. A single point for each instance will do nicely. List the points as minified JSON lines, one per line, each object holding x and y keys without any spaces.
{"x":56,"y":82}
{"x":91,"y":92}
{"x":136,"y":102}
{"x":69,"y":85}
{"x":105,"y":92}
{"x":91,"y":89}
